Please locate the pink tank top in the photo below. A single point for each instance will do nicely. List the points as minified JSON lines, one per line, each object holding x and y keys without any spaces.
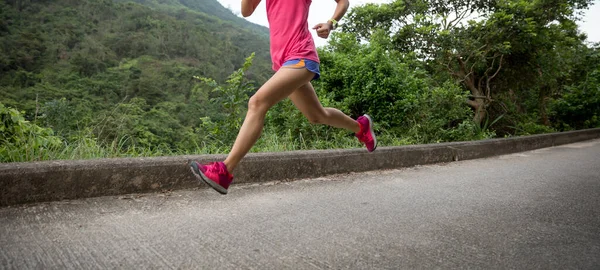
{"x":288,"y":27}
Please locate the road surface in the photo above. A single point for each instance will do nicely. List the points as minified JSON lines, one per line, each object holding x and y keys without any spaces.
{"x":532,"y":210}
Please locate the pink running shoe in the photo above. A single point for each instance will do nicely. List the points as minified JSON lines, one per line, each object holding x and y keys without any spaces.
{"x":366,"y":135}
{"x":214,"y":174}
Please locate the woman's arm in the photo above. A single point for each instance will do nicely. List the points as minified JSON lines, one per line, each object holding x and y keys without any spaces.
{"x":340,"y":9}
{"x":248,"y":7}
{"x":323,"y":29}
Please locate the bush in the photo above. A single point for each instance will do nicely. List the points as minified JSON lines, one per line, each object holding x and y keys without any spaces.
{"x":395,"y":90}
{"x":367,"y":78}
{"x":441,"y":115}
{"x":231,"y":99}
{"x":21,"y":140}
{"x":579,"y":106}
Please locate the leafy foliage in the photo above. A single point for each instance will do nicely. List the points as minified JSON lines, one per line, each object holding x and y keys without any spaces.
{"x":526,"y":50}
{"x":578,"y":106}
{"x":21,"y":139}
{"x":395,"y":89}
{"x":231,"y":101}
{"x":113,"y":78}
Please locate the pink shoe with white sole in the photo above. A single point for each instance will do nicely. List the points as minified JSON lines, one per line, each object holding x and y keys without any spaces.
{"x":214,"y":174}
{"x":366,"y":135}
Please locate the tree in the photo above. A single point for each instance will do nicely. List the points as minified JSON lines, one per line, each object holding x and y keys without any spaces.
{"x":518,"y":46}
{"x":577,"y":106}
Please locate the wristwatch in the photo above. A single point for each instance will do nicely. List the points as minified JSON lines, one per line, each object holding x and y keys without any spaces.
{"x":334,"y":23}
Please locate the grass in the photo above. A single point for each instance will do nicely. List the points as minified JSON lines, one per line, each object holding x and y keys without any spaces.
{"x":25,"y":142}
{"x":90,"y":148}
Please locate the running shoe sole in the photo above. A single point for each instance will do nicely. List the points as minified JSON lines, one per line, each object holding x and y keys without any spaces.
{"x":372,"y":133}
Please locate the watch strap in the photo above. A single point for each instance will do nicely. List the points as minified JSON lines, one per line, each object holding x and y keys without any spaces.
{"x":334,"y":22}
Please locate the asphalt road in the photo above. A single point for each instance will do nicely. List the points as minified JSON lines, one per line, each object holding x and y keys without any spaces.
{"x":532,"y":210}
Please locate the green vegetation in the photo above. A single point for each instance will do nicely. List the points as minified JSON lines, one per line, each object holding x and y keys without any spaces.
{"x":90,"y":79}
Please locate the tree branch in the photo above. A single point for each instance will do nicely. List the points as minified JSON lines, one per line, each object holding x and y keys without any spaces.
{"x":499,"y":67}
{"x":478,"y":49}
{"x":478,"y":97}
{"x":489,"y":79}
{"x":452,"y":72}
{"x":471,"y":70}
{"x":462,"y":66}
{"x":473,"y":104}
{"x":458,"y":18}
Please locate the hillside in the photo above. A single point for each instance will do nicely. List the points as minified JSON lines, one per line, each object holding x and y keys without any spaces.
{"x":114,"y":51}
{"x":211,"y":7}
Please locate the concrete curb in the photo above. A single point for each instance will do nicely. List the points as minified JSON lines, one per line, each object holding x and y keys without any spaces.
{"x":57,"y":180}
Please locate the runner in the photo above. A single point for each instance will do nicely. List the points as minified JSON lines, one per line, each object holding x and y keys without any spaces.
{"x":296,"y":64}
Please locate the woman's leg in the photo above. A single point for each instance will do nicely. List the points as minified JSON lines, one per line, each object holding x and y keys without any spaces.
{"x":281,"y":85}
{"x":306,"y":100}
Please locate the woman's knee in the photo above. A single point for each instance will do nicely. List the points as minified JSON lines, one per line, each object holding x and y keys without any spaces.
{"x":257,"y":104}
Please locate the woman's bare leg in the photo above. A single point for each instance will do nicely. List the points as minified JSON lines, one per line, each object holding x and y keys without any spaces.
{"x":281,"y":85}
{"x":306,"y":100}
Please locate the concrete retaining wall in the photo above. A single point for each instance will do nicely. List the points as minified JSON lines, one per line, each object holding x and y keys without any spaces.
{"x":57,"y":180}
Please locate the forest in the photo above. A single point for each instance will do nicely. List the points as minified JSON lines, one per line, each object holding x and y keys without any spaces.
{"x":114,"y":78}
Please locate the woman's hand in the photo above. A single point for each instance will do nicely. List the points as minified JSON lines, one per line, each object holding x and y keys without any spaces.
{"x":323,"y":29}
